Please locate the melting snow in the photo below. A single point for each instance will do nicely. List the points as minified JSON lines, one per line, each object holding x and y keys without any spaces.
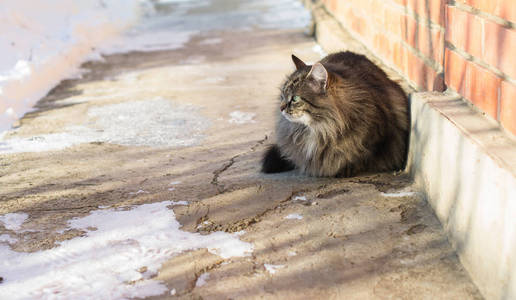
{"x":161,"y":123}
{"x":7,"y":238}
{"x":399,"y":194}
{"x":106,"y":263}
{"x":294,"y":217}
{"x":239,"y":117}
{"x":43,"y":42}
{"x":13,"y":221}
{"x":202,"y":279}
{"x":273,"y":268}
{"x":182,"y":202}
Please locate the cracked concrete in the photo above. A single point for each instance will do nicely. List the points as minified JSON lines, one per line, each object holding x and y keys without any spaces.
{"x":353,"y":241}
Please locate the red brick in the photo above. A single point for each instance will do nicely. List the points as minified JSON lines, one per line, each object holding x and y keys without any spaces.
{"x":376,"y":9}
{"x":331,"y":4}
{"x":383,"y":45}
{"x":419,"y":72}
{"x":500,"y":45}
{"x":482,"y":88}
{"x":464,"y":30}
{"x":429,"y":9}
{"x":454,"y":71}
{"x":393,"y":22}
{"x":501,"y":8}
{"x":410,"y":30}
{"x":399,"y":56}
{"x":428,"y":41}
{"x":508,"y":106}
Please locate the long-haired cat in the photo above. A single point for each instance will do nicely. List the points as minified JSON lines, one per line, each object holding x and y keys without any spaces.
{"x":339,"y":117}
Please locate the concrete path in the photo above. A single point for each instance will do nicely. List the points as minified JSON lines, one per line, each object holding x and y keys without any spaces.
{"x":145,"y":173}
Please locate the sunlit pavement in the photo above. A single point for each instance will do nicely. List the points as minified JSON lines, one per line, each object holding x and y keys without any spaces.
{"x":145,"y":173}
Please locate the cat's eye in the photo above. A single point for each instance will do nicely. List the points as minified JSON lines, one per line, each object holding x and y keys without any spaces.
{"x":296,"y":99}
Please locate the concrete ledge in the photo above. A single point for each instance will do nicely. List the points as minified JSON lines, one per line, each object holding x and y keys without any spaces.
{"x":467,"y":168}
{"x":464,"y":164}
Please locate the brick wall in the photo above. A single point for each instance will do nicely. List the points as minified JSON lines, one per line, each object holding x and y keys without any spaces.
{"x":467,"y":45}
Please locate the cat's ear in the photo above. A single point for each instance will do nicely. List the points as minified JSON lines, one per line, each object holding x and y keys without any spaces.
{"x":318,"y":77}
{"x":299,"y":63}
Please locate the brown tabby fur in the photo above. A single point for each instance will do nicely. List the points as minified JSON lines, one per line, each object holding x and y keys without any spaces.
{"x":349,"y":117}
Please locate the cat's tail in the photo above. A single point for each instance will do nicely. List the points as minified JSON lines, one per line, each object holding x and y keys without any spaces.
{"x":274,"y":162}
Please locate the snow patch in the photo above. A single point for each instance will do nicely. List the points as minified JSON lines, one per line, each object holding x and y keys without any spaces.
{"x":273,"y":268}
{"x":182,"y":202}
{"x":13,"y":221}
{"x":400,"y":194}
{"x":43,"y":42}
{"x":294,"y":217}
{"x":161,"y":123}
{"x":7,"y":238}
{"x":202,"y":279}
{"x":300,"y":198}
{"x":107,"y":263}
{"x":240,"y":117}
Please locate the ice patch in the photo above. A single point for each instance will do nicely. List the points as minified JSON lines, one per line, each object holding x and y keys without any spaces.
{"x":299,"y":198}
{"x":172,"y":292}
{"x":240,"y":117}
{"x":161,"y":123}
{"x":202,"y":279}
{"x":399,"y":194}
{"x":292,"y":253}
{"x":182,"y":202}
{"x":273,"y":268}
{"x":115,"y":261}
{"x":294,"y":217}
{"x":175,"y":182}
{"x":171,"y":189}
{"x":136,"y":40}
{"x":13,"y":221}
{"x":7,"y":238}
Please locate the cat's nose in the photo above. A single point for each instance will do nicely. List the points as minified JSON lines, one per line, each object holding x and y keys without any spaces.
{"x":283,"y":106}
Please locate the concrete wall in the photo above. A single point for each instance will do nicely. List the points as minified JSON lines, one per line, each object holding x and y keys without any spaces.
{"x":466,"y":45}
{"x":467,"y":168}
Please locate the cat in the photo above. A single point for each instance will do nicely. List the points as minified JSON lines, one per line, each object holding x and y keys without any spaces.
{"x":339,"y":117}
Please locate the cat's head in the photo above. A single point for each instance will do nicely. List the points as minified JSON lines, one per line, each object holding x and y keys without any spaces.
{"x":304,"y":96}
